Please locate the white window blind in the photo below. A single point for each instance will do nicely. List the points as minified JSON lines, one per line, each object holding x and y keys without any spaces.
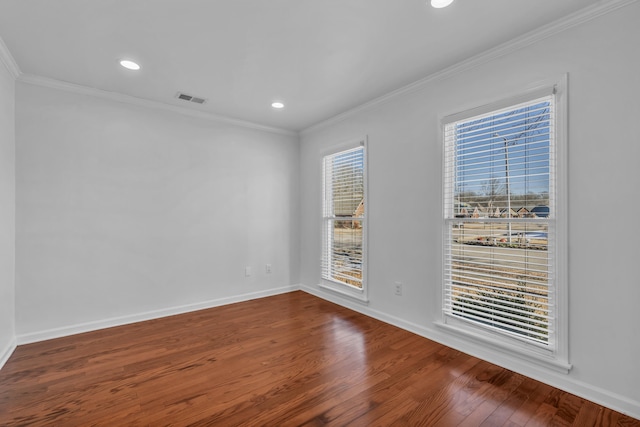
{"x":499,"y":198}
{"x":343,"y":217}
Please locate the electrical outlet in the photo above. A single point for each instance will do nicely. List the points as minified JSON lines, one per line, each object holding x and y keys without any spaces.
{"x":247,"y":271}
{"x":398,"y":288}
{"x":267,"y":268}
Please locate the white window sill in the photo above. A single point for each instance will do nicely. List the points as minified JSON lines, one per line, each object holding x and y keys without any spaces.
{"x":355,"y":294}
{"x":537,"y":356}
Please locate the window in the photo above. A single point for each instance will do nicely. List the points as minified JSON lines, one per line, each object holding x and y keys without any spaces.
{"x":344,"y":202}
{"x":501,"y":279}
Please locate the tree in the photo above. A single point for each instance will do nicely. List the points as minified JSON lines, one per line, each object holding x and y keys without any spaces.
{"x":493,"y":190}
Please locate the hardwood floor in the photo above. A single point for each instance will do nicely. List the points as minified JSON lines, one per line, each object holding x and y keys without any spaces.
{"x":287,"y":360}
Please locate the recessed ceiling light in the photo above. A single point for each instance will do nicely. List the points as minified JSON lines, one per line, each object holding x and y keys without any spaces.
{"x":277,"y":105}
{"x":440,"y":3}
{"x":130,"y":65}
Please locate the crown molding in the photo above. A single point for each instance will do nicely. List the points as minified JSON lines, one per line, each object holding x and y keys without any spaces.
{"x":127,"y":99}
{"x":584,"y":15}
{"x":7,"y":59}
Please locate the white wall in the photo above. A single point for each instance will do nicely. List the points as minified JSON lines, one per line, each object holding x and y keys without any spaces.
{"x":126,"y":212}
{"x":7,"y":214}
{"x":405,"y":206}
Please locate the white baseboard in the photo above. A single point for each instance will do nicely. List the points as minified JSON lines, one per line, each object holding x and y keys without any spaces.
{"x":622,"y":404}
{"x":149,"y":315}
{"x":595,"y":394}
{"x":6,"y":352}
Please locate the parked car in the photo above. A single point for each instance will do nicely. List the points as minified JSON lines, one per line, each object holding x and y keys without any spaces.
{"x":541,"y":211}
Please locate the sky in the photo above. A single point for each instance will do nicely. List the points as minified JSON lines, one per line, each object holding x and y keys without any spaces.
{"x":519,"y":136}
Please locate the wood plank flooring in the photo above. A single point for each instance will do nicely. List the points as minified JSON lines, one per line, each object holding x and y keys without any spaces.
{"x":287,"y":360}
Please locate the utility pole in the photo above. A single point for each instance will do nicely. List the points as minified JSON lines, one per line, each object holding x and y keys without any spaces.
{"x":506,"y":168}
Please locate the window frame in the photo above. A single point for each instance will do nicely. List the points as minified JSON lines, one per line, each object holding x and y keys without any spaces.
{"x":556,"y":357}
{"x":342,"y":289}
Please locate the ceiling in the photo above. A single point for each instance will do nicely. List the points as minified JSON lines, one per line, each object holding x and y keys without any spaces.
{"x":319,"y":57}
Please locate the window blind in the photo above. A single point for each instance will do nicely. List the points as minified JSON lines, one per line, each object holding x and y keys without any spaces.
{"x":343,"y":216}
{"x":499,"y":215}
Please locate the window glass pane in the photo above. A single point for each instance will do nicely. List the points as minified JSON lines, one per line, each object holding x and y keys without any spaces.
{"x":344,"y":210}
{"x":499,"y":206}
{"x":345,"y":252}
{"x":500,"y":282}
{"x":502,"y":161}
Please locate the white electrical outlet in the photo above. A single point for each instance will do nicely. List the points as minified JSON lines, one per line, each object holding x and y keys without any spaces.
{"x":398,"y":288}
{"x":267,"y":268}
{"x":247,"y":271}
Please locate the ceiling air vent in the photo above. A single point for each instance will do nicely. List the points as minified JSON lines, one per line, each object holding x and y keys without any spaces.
{"x":190,"y":98}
